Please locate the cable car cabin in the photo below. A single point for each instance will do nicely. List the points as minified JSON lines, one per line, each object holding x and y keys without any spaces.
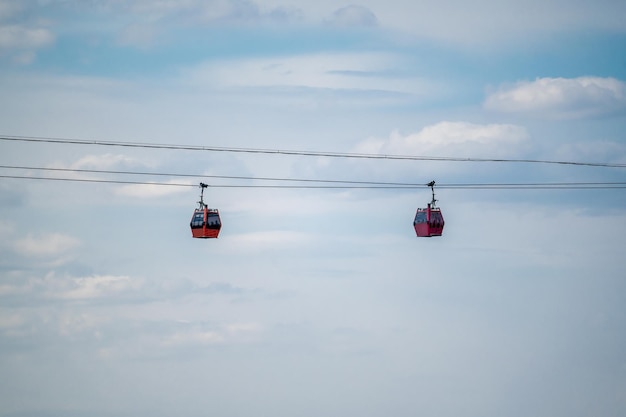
{"x":205,"y":223}
{"x":428,"y":222}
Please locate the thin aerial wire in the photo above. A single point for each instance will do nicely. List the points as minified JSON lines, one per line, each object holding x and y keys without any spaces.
{"x":97,"y":171}
{"x":301,"y":153}
{"x":308,"y":180}
{"x":25,"y":177}
{"x":212,"y":185}
{"x":511,"y":186}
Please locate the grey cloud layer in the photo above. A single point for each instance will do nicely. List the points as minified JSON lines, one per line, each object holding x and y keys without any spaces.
{"x":565,"y":98}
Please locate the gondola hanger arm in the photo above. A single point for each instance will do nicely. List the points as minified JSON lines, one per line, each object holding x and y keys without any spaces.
{"x":432,"y":188}
{"x":201,"y":202}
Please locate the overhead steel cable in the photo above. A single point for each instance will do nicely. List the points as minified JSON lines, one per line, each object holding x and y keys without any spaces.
{"x":485,"y":186}
{"x":303,"y":153}
{"x":231,"y":177}
{"x":25,"y":177}
{"x":309,"y":180}
{"x":212,"y":185}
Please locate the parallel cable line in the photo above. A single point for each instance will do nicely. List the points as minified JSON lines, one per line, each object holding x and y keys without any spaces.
{"x":212,"y":185}
{"x":308,"y":180}
{"x":97,"y":171}
{"x":303,"y":153}
{"x":510,"y":186}
{"x":24,"y":177}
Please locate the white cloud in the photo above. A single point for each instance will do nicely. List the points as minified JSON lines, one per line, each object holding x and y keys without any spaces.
{"x":46,"y":244}
{"x":103,"y":162}
{"x":115,"y":162}
{"x":451,"y":139}
{"x":561,"y":97}
{"x":481,"y":22}
{"x":242,"y":328}
{"x":340,"y":71}
{"x":15,"y":37}
{"x":153,"y":190}
{"x":95,"y":287}
{"x":106,"y":162}
{"x":8,"y":321}
{"x":66,"y":287}
{"x":354,"y":16}
{"x":71,"y":324}
{"x":204,"y":10}
{"x":6,"y":229}
{"x":24,"y":58}
{"x":453,"y":21}
{"x":194,"y":338}
{"x":153,"y":18}
{"x":9,"y":289}
{"x":271,"y":239}
{"x":8,"y":8}
{"x":597,"y":150}
{"x":138,"y":35}
{"x":197,"y":335}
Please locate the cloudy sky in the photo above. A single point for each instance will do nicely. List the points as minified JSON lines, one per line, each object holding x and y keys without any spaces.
{"x":312,"y":302}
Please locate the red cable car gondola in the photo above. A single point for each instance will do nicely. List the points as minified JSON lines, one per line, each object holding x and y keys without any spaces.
{"x":205,"y":222}
{"x":429,"y":221}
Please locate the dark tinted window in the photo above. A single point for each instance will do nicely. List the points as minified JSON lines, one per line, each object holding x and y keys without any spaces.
{"x":198,"y":219}
{"x":420,"y":217}
{"x":213,"y":219}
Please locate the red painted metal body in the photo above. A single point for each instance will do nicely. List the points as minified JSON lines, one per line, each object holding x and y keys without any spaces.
{"x":205,"y":223}
{"x":428,"y":222}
